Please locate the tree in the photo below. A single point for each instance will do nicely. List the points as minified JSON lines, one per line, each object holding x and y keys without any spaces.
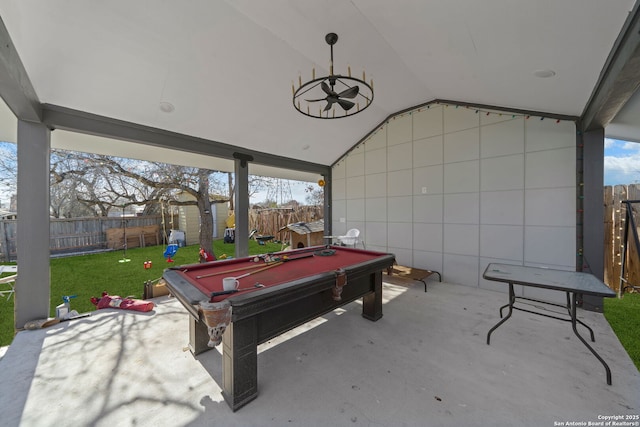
{"x":84,"y":184}
{"x":8,"y":169}
{"x":73,"y":181}
{"x":104,"y":182}
{"x":315,"y":195}
{"x":64,"y":204}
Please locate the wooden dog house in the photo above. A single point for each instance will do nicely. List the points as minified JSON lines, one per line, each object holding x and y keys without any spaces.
{"x":305,"y":234}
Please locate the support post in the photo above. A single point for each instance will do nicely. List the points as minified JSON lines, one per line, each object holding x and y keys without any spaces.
{"x":592,"y":227}
{"x":242,"y":203}
{"x":32,"y":293}
{"x":328,"y":208}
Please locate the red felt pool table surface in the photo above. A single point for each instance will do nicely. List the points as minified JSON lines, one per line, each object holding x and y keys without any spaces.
{"x":299,"y":264}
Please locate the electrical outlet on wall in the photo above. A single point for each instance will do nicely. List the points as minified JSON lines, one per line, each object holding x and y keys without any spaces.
{"x":424,"y":190}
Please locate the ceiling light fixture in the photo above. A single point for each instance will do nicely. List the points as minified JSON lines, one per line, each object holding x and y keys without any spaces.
{"x":166,"y":107}
{"x":333,"y":89}
{"x":543,"y":74}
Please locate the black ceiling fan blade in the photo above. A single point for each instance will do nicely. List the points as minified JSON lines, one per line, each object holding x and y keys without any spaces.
{"x":346,"y":105}
{"x":325,"y":87}
{"x":316,"y":100}
{"x":352,"y":92}
{"x":329,"y":105}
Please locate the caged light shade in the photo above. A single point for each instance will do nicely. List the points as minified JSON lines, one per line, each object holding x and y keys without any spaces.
{"x":333,"y":96}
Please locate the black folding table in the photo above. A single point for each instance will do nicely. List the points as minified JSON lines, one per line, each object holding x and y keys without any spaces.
{"x":572,"y":283}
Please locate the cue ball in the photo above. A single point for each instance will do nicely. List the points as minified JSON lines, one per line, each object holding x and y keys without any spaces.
{"x":256,"y":259}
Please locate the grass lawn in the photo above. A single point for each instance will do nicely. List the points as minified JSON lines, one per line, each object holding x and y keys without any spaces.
{"x":87,"y":276}
{"x":624,"y":317}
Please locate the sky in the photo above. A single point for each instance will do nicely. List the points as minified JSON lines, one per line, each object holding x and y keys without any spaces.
{"x":291,"y":190}
{"x":621,"y":162}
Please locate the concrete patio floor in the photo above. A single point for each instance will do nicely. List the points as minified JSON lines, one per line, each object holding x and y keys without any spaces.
{"x":425,"y":363}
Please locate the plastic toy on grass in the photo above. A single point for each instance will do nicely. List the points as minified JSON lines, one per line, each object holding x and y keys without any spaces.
{"x":206,"y":256}
{"x":171,"y":251}
{"x":260,"y":238}
{"x":64,"y":309}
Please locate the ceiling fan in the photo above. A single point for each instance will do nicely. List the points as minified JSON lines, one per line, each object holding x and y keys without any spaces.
{"x":333,"y":97}
{"x":324,"y":89}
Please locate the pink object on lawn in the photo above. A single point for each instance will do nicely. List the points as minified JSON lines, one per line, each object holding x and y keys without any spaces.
{"x":114,"y":301}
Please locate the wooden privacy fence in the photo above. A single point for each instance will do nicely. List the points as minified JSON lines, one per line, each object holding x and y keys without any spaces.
{"x":614,"y":226}
{"x":89,"y":234}
{"x":94,"y":233}
{"x":273,"y":221}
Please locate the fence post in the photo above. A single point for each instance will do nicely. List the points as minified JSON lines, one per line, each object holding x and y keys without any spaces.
{"x":5,"y":242}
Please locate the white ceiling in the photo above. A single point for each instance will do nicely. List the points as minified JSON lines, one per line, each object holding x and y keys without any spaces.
{"x":228,"y":66}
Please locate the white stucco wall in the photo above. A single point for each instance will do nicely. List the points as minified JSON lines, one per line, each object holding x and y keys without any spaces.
{"x":451,"y":189}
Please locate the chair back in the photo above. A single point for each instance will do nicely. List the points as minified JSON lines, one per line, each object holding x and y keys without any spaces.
{"x":351,"y":238}
{"x":10,"y":281}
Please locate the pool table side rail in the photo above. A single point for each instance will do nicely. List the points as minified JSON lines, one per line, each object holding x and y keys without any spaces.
{"x":292,"y":304}
{"x":189,"y":295}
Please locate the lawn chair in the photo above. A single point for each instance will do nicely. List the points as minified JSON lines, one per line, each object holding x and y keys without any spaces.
{"x":350,"y":239}
{"x":10,"y":281}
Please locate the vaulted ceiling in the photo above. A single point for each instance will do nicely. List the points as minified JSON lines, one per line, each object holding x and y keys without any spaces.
{"x":227,"y":67}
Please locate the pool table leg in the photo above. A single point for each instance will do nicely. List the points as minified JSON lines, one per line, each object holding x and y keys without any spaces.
{"x":240,"y":363}
{"x":372,"y":303}
{"x":198,"y":336}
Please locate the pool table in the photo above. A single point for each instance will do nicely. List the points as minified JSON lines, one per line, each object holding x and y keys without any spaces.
{"x":277,"y":293}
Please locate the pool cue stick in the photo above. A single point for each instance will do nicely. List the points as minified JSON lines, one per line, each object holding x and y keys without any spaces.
{"x":217,"y":294}
{"x":275,"y":264}
{"x":298,"y":257}
{"x":228,"y":271}
{"x":233,"y":291}
{"x":250,"y":267}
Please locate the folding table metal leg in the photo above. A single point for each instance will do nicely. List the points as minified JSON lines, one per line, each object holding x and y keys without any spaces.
{"x":512,"y":299}
{"x":575,"y":331}
{"x":593,"y":337}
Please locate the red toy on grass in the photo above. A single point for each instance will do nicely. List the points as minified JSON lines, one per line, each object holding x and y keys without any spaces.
{"x":114,"y":301}
{"x":206,"y":256}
